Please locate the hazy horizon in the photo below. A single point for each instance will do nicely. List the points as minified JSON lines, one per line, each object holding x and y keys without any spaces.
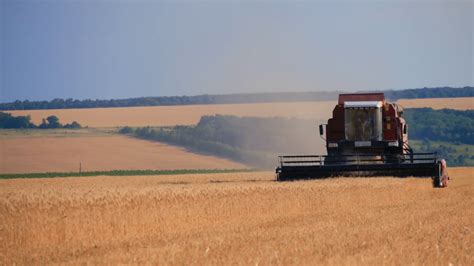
{"x":233,"y":93}
{"x":117,"y":49}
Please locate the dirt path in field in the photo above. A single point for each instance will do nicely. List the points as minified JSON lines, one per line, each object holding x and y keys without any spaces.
{"x":243,"y":218}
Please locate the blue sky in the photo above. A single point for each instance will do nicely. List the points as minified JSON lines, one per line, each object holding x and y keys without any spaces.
{"x":119,"y":49}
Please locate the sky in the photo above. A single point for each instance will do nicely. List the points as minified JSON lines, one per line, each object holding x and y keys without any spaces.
{"x":118,"y":49}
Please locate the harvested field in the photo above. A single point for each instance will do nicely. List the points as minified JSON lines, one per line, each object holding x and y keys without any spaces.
{"x":242,"y":218}
{"x":190,"y":114}
{"x":62,"y":152}
{"x":464,"y":103}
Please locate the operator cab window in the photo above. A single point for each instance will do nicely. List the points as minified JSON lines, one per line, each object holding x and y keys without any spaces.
{"x":363,"y":120}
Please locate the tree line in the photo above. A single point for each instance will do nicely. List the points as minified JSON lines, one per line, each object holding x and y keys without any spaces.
{"x":449,"y":125}
{"x":455,"y":155}
{"x":229,"y":98}
{"x":18,"y":122}
{"x":423,"y":93}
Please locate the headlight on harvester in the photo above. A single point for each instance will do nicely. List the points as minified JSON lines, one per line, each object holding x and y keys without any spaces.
{"x":332,"y":145}
{"x":393,"y":143}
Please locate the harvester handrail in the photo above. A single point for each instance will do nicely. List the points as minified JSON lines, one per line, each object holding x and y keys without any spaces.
{"x":413,"y":158}
{"x":359,"y":155}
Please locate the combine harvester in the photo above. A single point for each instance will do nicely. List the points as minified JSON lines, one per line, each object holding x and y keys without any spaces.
{"x":366,"y":136}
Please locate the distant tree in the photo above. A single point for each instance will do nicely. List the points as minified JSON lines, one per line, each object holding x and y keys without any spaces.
{"x":9,"y":121}
{"x":73,"y":125}
{"x":53,"y":122}
{"x":126,"y":130}
{"x":43,"y":124}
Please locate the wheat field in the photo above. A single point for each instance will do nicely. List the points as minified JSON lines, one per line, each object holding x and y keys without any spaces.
{"x":179,"y":115}
{"x":463,"y":103}
{"x":243,"y":218}
{"x":190,"y":114}
{"x":65,"y":152}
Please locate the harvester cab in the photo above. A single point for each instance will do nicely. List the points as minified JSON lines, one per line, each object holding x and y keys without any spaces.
{"x":366,"y":136}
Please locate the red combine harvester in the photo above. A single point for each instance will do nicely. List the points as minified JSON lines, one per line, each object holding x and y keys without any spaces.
{"x":366,"y":136}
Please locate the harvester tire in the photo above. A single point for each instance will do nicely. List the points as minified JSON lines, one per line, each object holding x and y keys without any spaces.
{"x":442,"y":178}
{"x":437,"y":177}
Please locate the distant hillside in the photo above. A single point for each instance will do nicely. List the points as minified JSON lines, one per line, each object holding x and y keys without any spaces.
{"x":443,"y":92}
{"x":230,"y":98}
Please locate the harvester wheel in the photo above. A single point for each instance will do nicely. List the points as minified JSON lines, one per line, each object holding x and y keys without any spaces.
{"x":437,"y":177}
{"x":442,"y":178}
{"x":444,"y":174}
